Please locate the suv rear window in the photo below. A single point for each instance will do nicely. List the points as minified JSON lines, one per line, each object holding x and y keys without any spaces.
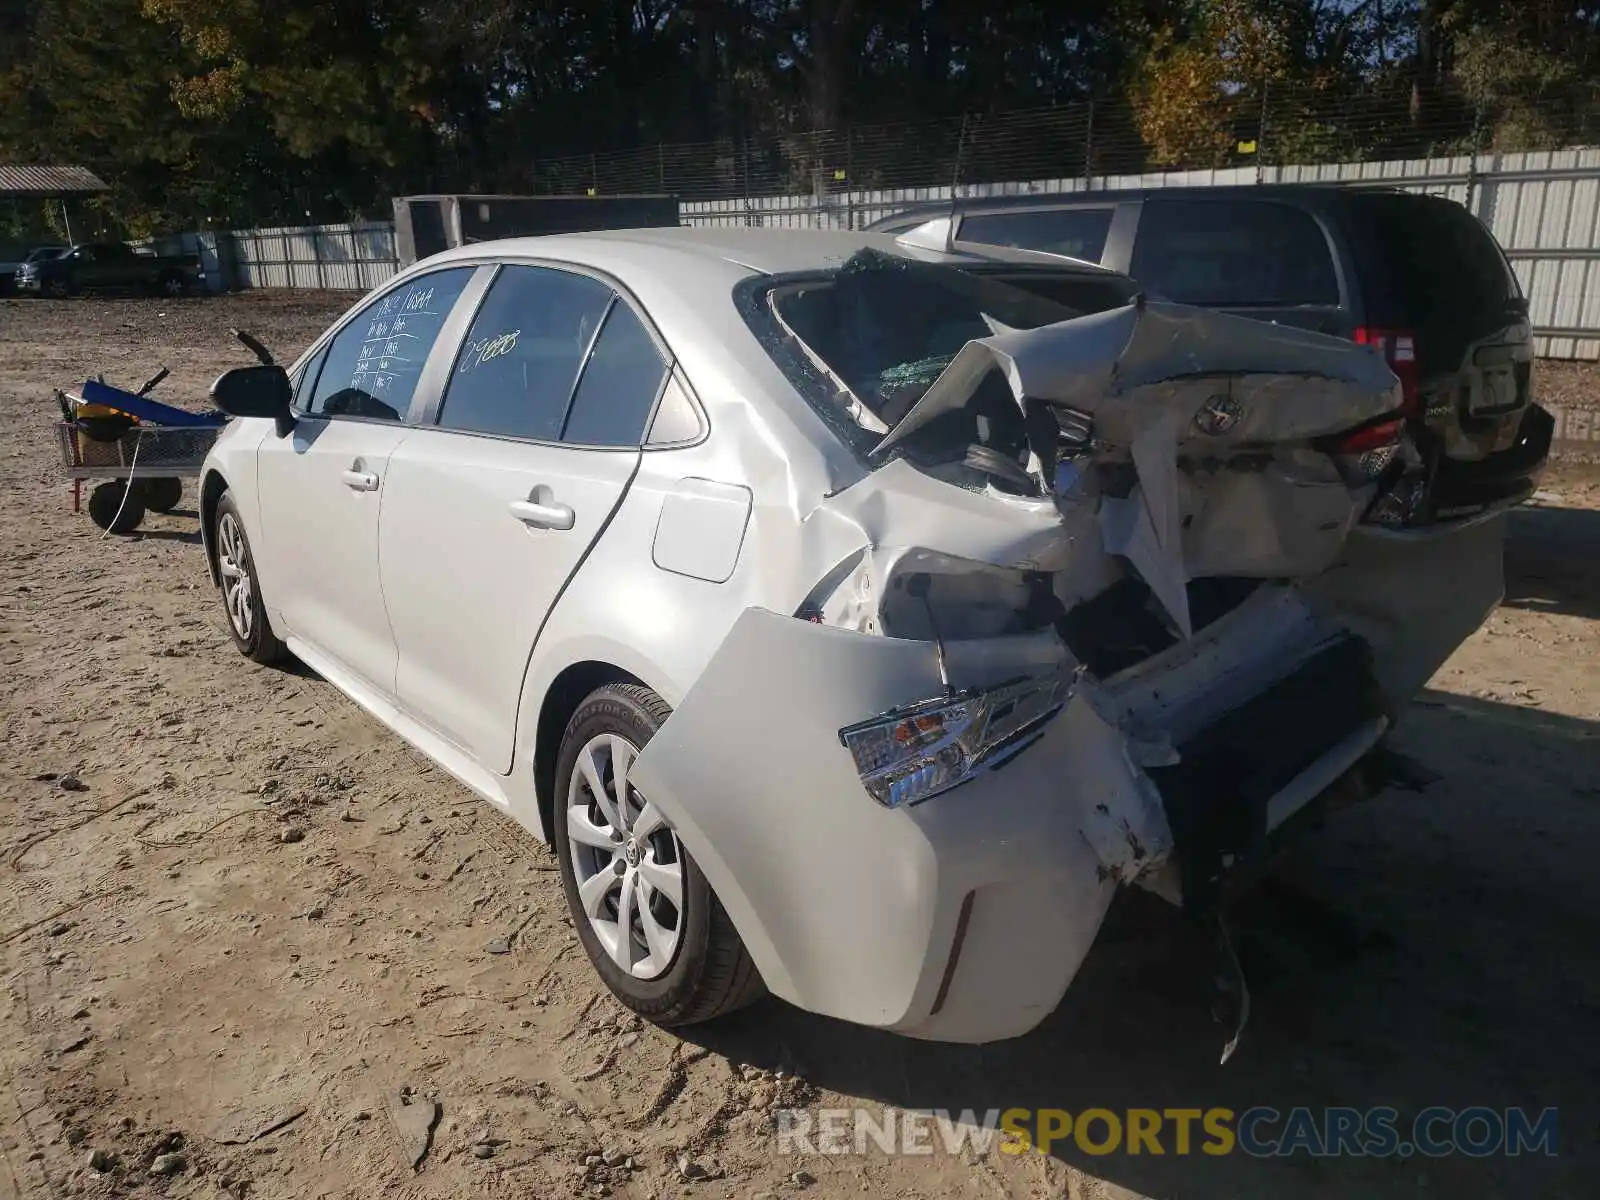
{"x":1234,"y":254}
{"x":1075,"y":232}
{"x":1428,"y":265}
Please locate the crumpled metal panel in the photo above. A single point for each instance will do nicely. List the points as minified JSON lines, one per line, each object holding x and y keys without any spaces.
{"x":1132,"y":367}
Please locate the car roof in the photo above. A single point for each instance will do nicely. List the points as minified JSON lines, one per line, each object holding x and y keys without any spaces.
{"x":727,"y":253}
{"x":686,"y":280}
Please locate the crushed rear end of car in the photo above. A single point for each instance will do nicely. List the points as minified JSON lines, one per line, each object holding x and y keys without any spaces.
{"x":1125,"y":596}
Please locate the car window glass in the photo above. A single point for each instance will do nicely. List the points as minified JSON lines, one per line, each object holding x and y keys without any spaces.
{"x":1429,"y":265}
{"x":516,"y":369}
{"x":1234,"y":253}
{"x":1077,"y":232}
{"x":371,"y":367}
{"x":304,"y":379}
{"x":619,"y":384}
{"x":676,"y":418}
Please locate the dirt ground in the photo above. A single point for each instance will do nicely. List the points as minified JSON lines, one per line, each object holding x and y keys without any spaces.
{"x":185,"y":974}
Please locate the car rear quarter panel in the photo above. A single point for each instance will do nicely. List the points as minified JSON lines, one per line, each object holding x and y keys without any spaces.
{"x":623,"y":609}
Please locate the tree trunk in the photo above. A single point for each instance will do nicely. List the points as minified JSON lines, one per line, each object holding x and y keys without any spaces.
{"x":828,"y":31}
{"x":934,"y":78}
{"x":1425,"y":77}
{"x":708,"y":77}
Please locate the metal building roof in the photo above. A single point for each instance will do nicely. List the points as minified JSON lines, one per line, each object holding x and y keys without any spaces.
{"x":17,"y":181}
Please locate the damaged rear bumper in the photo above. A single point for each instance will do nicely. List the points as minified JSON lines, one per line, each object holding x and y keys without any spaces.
{"x":852,"y":909}
{"x":965,"y":918}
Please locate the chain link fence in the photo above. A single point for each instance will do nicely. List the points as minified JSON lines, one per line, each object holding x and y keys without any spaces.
{"x":1269,"y":125}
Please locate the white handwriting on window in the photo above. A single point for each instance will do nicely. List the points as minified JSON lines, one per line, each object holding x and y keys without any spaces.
{"x":482,"y":350}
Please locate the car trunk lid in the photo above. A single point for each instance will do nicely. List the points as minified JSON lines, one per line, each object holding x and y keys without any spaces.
{"x":1224,"y":381}
{"x":1198,"y":438}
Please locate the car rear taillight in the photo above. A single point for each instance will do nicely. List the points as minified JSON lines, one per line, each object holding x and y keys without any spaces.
{"x":1369,"y":437}
{"x":1399,"y":350}
{"x":1379,"y":454}
{"x":1366,"y":452}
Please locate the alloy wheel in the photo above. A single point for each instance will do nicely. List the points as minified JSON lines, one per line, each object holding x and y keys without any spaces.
{"x":233,"y":562}
{"x":627,"y":861}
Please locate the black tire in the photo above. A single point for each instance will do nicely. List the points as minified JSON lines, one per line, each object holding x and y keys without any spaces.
{"x":710,"y":973}
{"x":57,"y":289}
{"x":163,"y":495}
{"x":114,"y":507}
{"x":256,"y":641}
{"x":171,"y":285}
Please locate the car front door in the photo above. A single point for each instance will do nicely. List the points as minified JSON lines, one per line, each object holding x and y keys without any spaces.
{"x":122,"y":268}
{"x":88,"y":267}
{"x":321,"y":486}
{"x":490,"y":510}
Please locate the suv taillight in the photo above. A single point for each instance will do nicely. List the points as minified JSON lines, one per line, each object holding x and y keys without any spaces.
{"x":1399,"y":350}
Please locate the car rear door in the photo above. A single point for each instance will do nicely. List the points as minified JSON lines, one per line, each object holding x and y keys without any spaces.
{"x":1266,"y":258}
{"x":492,"y":507}
{"x":321,"y":487}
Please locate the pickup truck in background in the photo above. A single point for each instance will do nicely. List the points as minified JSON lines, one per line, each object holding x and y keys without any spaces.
{"x":13,"y":256}
{"x":110,"y":266}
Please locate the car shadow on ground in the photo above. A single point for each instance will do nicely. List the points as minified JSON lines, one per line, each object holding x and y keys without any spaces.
{"x":1426,"y":949}
{"x":1552,"y":560}
{"x":290,"y":665}
{"x":191,"y":536}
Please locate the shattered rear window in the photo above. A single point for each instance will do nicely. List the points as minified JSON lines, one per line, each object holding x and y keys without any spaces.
{"x":885,"y":327}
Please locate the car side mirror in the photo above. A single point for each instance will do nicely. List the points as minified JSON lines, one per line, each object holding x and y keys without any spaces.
{"x":256,"y":391}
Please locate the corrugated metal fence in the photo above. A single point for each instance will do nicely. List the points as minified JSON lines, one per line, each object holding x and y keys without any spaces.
{"x":335,"y":257}
{"x":1543,"y":207}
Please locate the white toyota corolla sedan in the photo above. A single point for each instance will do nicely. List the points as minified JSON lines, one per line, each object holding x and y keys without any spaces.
{"x":850,"y":617}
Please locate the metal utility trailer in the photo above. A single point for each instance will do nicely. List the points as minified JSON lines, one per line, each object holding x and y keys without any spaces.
{"x":141,"y":454}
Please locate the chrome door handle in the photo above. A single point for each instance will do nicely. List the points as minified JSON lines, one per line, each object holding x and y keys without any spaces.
{"x":361,"y":481}
{"x":542,"y":516}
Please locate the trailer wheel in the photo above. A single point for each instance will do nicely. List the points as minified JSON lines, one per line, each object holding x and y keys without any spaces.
{"x":162,"y":495}
{"x":108,"y":510}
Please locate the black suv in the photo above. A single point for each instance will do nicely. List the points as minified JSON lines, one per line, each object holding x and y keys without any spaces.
{"x":1415,"y":276}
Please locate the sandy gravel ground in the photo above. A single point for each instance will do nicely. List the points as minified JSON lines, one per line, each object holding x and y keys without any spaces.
{"x":252,"y":921}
